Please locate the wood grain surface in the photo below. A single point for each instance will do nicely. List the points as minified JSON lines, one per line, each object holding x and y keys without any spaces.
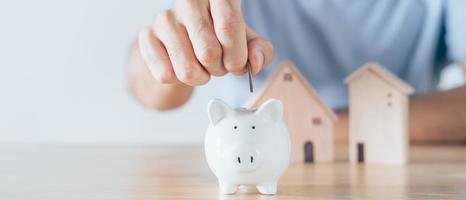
{"x":180,"y":172}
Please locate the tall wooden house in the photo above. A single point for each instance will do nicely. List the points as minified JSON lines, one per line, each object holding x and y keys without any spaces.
{"x":378,"y":116}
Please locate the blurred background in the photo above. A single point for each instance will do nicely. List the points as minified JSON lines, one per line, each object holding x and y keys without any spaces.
{"x":63,"y":76}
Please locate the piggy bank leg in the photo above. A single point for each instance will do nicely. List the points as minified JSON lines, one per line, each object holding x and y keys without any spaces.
{"x":267,"y":188}
{"x":226,"y":188}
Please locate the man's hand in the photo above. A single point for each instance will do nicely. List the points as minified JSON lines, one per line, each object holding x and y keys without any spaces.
{"x":197,"y":39}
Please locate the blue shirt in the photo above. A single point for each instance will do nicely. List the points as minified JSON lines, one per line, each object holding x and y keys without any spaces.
{"x":329,"y":39}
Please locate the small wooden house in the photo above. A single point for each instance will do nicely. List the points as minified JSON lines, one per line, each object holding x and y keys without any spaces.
{"x":378,"y":116}
{"x":310,"y":122}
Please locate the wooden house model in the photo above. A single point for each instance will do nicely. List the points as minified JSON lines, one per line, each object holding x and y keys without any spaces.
{"x":309,"y":120}
{"x":378,"y":116}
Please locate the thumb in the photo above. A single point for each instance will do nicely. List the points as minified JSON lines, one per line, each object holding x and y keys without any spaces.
{"x":260,"y":50}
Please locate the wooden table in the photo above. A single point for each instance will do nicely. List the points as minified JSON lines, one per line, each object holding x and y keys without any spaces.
{"x":180,"y":172}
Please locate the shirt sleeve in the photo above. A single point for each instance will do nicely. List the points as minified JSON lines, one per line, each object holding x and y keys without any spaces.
{"x":455,"y":17}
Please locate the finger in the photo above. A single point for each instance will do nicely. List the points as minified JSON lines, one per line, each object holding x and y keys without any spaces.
{"x":195,"y":15}
{"x":176,"y":41}
{"x":260,"y":51}
{"x":156,"y":57}
{"x":231,"y":33}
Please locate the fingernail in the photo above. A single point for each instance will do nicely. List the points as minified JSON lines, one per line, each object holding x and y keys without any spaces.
{"x":260,"y":60}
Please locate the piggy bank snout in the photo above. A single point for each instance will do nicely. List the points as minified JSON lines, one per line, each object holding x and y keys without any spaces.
{"x":243,"y":158}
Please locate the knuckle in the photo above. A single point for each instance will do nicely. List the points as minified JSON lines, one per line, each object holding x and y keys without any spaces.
{"x":189,"y":75}
{"x":202,"y":25}
{"x":229,"y":24}
{"x":209,"y":55}
{"x":166,"y":78}
{"x":193,"y":76}
{"x":164,"y":18}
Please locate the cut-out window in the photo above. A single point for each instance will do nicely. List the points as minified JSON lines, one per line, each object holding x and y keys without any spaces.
{"x":287,"y":77}
{"x":316,"y":121}
{"x":308,"y":152}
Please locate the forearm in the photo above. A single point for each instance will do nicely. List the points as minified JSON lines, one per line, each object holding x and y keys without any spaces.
{"x":150,"y":92}
{"x":439,"y":117}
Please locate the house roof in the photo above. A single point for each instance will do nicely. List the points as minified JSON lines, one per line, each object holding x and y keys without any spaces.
{"x":383,"y":74}
{"x":287,"y":64}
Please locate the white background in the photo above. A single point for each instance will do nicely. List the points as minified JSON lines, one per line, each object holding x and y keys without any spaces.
{"x":62,"y":76}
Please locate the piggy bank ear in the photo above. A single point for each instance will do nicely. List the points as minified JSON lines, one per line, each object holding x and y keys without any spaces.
{"x":272,"y":110}
{"x":217,"y":110}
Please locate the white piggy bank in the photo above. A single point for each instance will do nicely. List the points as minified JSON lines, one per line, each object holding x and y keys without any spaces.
{"x":247,"y":147}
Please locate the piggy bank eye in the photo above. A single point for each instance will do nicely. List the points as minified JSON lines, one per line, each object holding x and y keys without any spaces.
{"x":235,"y":127}
{"x":253,"y":127}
